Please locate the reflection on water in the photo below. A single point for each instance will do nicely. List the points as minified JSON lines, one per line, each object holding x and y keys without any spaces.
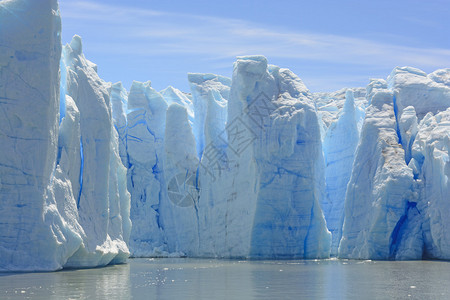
{"x":101,"y":283}
{"x":232,"y":279}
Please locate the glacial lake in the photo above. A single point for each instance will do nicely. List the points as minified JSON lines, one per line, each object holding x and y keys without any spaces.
{"x":184,"y":278}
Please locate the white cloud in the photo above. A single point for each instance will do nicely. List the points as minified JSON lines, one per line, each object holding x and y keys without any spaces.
{"x":146,"y":32}
{"x":143,"y":33}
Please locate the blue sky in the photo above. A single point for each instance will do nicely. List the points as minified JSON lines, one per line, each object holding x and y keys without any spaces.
{"x":329,"y":44}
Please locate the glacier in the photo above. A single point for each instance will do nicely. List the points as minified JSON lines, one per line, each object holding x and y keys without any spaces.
{"x":284,"y":173}
{"x":63,"y":195}
{"x":339,"y":144}
{"x":394,"y":202}
{"x":102,"y":199}
{"x":255,"y":166}
{"x":144,"y":143}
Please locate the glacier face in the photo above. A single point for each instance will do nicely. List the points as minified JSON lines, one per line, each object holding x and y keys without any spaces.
{"x":286,"y":155}
{"x":178,"y":208}
{"x":63,"y":196}
{"x":145,"y":147}
{"x":380,"y":187}
{"x":398,"y":189}
{"x":29,"y":92}
{"x":253,"y":166}
{"x":339,"y":145}
{"x":98,"y":199}
{"x":215,"y":194}
{"x":221,"y":182}
{"x":430,"y":153}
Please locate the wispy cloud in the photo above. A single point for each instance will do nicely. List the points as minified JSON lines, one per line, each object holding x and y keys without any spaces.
{"x":146,"y":32}
{"x":143,"y":33}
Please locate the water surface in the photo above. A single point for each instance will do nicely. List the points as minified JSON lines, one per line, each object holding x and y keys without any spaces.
{"x":181,"y":278}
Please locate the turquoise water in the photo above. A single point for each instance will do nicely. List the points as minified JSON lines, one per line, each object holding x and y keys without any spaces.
{"x":231,"y":279}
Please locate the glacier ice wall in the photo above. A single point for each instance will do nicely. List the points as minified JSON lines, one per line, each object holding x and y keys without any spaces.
{"x":339,"y":145}
{"x":205,"y":88}
{"x":63,"y":201}
{"x":259,"y":167}
{"x":254,"y":166}
{"x":146,"y":120}
{"x":210,"y":95}
{"x":431,"y":155}
{"x":380,"y":188}
{"x":29,"y":93}
{"x":251,"y":155}
{"x":179,"y":208}
{"x":173,"y":95}
{"x":209,"y":172}
{"x":101,"y":196}
{"x":119,"y":102}
{"x":398,"y":188}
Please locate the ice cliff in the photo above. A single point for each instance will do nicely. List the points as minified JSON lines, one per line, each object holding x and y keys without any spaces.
{"x":266,"y":169}
{"x":253,"y":166}
{"x":398,"y":190}
{"x":63,"y":197}
{"x":243,"y":178}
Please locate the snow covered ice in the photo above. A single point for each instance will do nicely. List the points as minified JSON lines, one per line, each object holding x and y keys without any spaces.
{"x":253,"y":166}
